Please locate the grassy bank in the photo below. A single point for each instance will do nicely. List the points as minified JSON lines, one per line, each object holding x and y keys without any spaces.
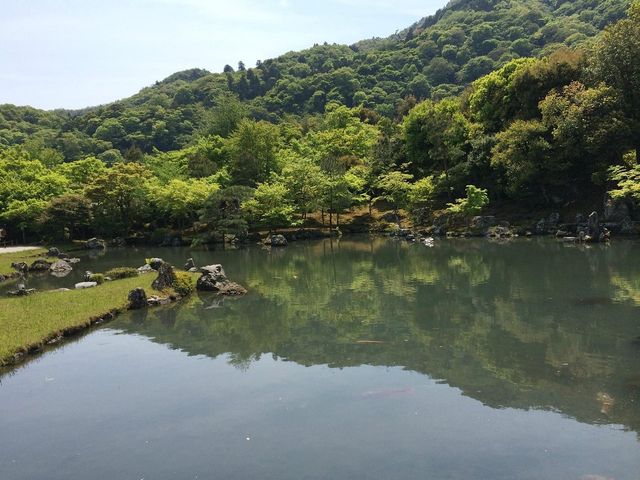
{"x":27,"y":323}
{"x":28,"y":256}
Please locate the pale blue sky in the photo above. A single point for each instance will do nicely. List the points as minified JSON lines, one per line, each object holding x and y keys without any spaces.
{"x":76,"y":53}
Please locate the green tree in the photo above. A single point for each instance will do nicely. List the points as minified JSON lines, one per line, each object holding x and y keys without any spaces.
{"x":616,"y":61}
{"x":222,"y":212}
{"x":119,"y":197}
{"x":269,"y":207}
{"x":252,"y":151}
{"x":67,"y":217}
{"x":396,"y":187}
{"x":472,"y":204}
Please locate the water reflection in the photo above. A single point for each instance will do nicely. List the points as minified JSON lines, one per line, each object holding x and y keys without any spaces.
{"x":530,"y":325}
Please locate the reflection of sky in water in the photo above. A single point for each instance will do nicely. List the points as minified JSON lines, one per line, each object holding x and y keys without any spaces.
{"x":350,"y":360}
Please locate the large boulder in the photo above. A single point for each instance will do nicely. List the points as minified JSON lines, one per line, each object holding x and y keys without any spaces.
{"x":145,"y":269}
{"x":40,"y":265}
{"x":60,"y":268}
{"x":20,"y":267}
{"x":276,"y":241}
{"x":95,"y":244}
{"x":215,"y":271}
{"x":137,"y":299}
{"x":155,"y":263}
{"x":214,"y":279}
{"x":166,"y":277}
{"x":85,"y":285}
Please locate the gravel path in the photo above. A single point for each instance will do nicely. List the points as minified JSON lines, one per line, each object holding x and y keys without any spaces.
{"x":16,"y":249}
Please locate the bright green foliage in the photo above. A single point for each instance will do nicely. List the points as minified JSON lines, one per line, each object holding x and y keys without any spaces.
{"x":118,"y":197}
{"x":184,"y":284}
{"x":396,"y":188}
{"x":472,"y":204}
{"x":252,"y":152}
{"x":617,"y":61}
{"x":180,"y":200}
{"x":269,"y":207}
{"x":627,"y":179}
{"x":303,"y":180}
{"x":422,"y":194}
{"x":82,"y":172}
{"x":523,"y":153}
{"x":436,"y":134}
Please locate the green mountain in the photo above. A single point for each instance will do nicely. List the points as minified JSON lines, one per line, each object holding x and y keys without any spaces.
{"x":434,"y":58}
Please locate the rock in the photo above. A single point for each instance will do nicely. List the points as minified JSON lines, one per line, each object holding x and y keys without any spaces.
{"x":21,"y":291}
{"x":60,"y":268}
{"x":214,"y":279}
{"x":155,"y":301}
{"x":214,"y":270}
{"x":541,"y":227}
{"x":155,"y":263}
{"x":569,"y":239}
{"x":40,"y":265}
{"x":189,"y":264}
{"x":145,"y":269}
{"x":87,"y":276}
{"x":232,"y":289}
{"x":53,"y":252}
{"x":276,"y":241}
{"x":84,"y":285}
{"x":60,"y":290}
{"x":20,"y":267}
{"x":72,"y":261}
{"x":482,"y":223}
{"x":118,"y":242}
{"x":593,"y":225}
{"x":95,"y":244}
{"x":137,"y":299}
{"x":499,"y":232}
{"x":193,"y":270}
{"x":166,"y":277}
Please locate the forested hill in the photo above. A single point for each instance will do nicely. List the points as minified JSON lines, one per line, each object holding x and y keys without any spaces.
{"x":434,"y":58}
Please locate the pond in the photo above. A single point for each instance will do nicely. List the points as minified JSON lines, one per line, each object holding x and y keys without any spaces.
{"x":355,"y":358}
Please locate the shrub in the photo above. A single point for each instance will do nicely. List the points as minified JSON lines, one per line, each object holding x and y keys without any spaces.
{"x":184,"y":284}
{"x":475,"y":201}
{"x":99,"y":278}
{"x":122,"y":272}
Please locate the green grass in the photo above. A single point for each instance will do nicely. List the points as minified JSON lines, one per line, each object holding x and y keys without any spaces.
{"x":6,"y":259}
{"x":26,"y":323}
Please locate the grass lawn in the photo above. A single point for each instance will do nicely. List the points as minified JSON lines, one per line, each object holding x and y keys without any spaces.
{"x":28,"y":322}
{"x":28,"y":256}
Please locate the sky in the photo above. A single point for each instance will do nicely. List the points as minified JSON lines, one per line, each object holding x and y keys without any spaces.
{"x":78,"y":53}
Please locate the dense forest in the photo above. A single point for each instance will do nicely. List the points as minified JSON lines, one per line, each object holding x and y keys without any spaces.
{"x":531,"y":103}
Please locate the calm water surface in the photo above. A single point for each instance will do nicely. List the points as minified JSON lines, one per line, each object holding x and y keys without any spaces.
{"x":360,"y":358}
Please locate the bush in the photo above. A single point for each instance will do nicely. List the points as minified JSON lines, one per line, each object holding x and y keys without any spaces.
{"x":99,"y":278}
{"x":475,"y":201}
{"x":122,"y":272}
{"x":184,"y":284}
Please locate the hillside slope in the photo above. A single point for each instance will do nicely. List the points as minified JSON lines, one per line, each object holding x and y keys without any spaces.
{"x":434,"y":58}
